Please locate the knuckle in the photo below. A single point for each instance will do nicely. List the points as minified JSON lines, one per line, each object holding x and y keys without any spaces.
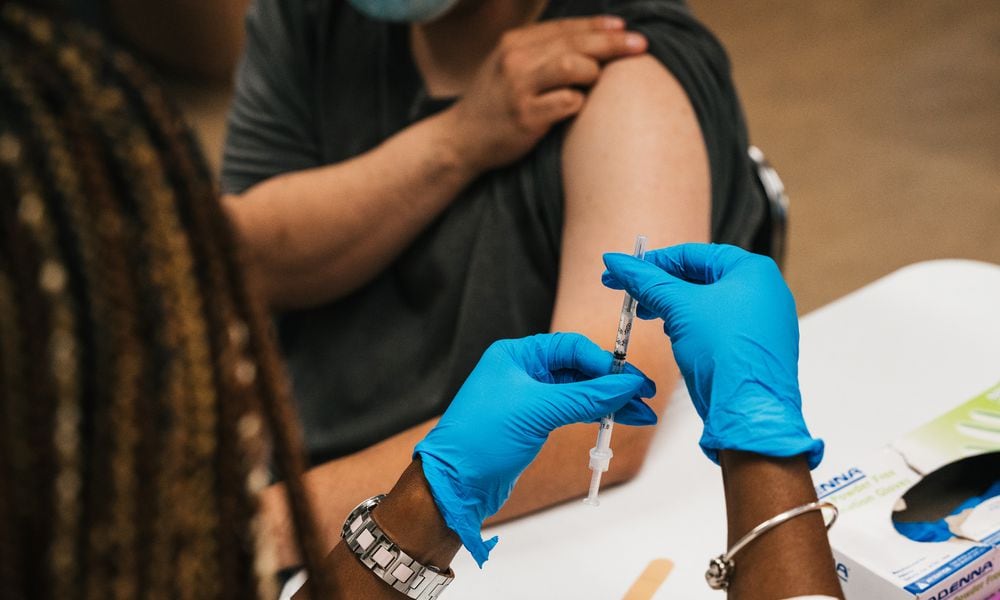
{"x":566,"y":65}
{"x":499,"y":346}
{"x":615,"y":41}
{"x":571,"y":100}
{"x":594,"y":43}
{"x":523,"y":114}
{"x":511,"y":61}
{"x":509,"y":40}
{"x":612,"y":42}
{"x":763,"y":263}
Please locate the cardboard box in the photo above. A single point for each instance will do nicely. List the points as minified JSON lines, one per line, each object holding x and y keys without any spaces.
{"x":874,"y":560}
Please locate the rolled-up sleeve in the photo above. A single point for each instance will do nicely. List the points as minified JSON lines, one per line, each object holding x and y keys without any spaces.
{"x":696,"y":58}
{"x":272,"y":126}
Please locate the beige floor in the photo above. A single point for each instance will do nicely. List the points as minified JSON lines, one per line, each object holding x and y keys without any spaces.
{"x":882,"y":117}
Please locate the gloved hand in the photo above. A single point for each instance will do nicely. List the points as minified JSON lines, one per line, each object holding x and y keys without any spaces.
{"x":519,"y":392}
{"x":732,"y":324}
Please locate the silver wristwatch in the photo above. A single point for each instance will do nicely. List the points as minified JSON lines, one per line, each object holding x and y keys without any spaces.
{"x":379,"y":552}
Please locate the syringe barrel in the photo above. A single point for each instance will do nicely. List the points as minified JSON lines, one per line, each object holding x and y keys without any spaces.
{"x":600,"y":454}
{"x":627,"y":315}
{"x":604,"y":433}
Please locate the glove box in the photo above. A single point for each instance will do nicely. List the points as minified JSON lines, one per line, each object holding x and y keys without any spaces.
{"x":920,"y":519}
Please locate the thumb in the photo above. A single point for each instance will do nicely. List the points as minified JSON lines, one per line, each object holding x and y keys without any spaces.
{"x":698,"y":263}
{"x":654,"y":289}
{"x":587,"y":401}
{"x":636,"y":412}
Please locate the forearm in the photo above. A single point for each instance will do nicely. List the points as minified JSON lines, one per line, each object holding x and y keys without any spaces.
{"x":316,"y":235}
{"x":790,"y":560}
{"x":337,"y":486}
{"x":193,"y":37}
{"x":409,"y":516}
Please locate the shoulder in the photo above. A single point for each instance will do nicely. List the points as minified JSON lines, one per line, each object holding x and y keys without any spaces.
{"x":636,"y":83}
{"x":681,"y":44}
{"x":677,"y":39}
{"x":637,"y":107}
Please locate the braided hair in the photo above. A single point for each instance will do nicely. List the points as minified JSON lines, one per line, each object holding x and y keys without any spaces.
{"x":141,"y":398}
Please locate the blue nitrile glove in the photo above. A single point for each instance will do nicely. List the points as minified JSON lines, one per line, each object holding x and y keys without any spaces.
{"x":940,"y":530}
{"x":519,"y":392}
{"x":732,"y":325}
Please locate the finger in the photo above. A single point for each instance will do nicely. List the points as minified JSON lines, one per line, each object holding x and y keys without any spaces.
{"x":554,"y":28}
{"x":574,"y":352}
{"x":698,"y":263}
{"x":691,"y":262}
{"x":641,"y":311}
{"x":610,"y":281}
{"x":635,"y":412}
{"x":562,"y":70}
{"x":606,"y":45}
{"x":555,"y":106}
{"x":586,"y":401}
{"x":646,"y":314}
{"x":597,"y":46}
{"x":654,"y":289}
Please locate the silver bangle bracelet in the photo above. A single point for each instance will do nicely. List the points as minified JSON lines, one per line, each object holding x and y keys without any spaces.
{"x":720,"y":568}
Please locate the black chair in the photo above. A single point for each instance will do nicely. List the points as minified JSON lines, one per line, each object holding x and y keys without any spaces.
{"x":773,"y":234}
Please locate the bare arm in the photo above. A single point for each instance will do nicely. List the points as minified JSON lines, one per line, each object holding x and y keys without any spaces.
{"x":791,"y":560}
{"x":309,"y":236}
{"x":318,"y":234}
{"x":189,"y":36}
{"x":633,"y":162}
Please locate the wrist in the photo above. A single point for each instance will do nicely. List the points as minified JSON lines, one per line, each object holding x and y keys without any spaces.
{"x":411,"y":518}
{"x":464,"y":507}
{"x":774,"y":429}
{"x":461,"y":152}
{"x":793,"y":559}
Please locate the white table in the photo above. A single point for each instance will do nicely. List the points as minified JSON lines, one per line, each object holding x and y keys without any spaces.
{"x":874,"y":364}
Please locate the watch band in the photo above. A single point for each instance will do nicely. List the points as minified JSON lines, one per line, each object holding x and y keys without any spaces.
{"x":379,"y":553}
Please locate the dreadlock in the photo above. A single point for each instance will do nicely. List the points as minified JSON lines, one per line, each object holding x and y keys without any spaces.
{"x":140,"y":393}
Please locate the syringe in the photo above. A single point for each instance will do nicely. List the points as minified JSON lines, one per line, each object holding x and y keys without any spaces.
{"x":600,"y":455}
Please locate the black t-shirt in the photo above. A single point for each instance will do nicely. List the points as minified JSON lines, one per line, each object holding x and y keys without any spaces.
{"x":91,"y":12}
{"x":320,"y":83}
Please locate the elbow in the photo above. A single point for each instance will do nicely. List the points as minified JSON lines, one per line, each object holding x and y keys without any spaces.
{"x":629,"y":459}
{"x":631,"y":446}
{"x":623,"y":471}
{"x":252,"y":261}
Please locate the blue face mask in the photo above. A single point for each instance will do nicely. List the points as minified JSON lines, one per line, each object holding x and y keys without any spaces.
{"x":404,"y":11}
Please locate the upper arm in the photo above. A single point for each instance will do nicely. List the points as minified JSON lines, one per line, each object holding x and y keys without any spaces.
{"x":634,"y":162}
{"x":271,"y":125}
